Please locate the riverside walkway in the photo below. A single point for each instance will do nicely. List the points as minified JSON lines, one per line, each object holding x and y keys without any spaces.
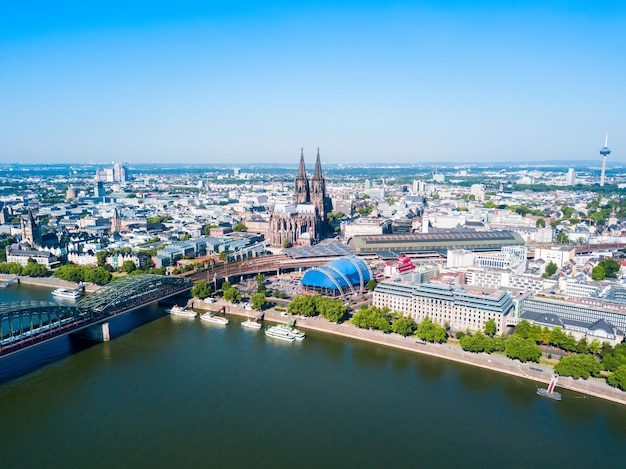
{"x":530,"y":371}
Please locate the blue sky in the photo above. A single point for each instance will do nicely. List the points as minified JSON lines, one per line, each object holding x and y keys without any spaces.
{"x":366,"y":81}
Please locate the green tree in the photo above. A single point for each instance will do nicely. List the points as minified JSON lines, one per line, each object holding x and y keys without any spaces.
{"x":224,"y":254}
{"x":491,"y":327}
{"x":522,"y":349}
{"x":303,"y":305}
{"x":101,"y":257}
{"x":239,"y":227}
{"x":431,"y":332}
{"x":618,"y":378}
{"x":562,"y":238}
{"x":526,"y":330}
{"x":232,"y":295}
{"x":286,"y":244}
{"x":551,"y":269}
{"x":611,"y":267}
{"x":578,"y":366}
{"x":128,"y":266}
{"x":32,"y":269}
{"x":332,"y":309}
{"x":540,"y":223}
{"x":206,"y":229}
{"x":613,"y":358}
{"x":404,"y":326}
{"x":371,"y":284}
{"x":258,"y":301}
{"x":473,"y":342}
{"x":201,"y":289}
{"x":598,"y":273}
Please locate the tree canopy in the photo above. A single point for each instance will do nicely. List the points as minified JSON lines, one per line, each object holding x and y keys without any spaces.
{"x":578,"y":366}
{"x":431,"y":332}
{"x":201,"y":289}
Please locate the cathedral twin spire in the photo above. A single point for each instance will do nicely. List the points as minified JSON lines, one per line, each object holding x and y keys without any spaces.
{"x":316,"y":192}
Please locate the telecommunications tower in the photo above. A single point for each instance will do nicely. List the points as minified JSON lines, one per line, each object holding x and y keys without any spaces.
{"x":604,"y":151}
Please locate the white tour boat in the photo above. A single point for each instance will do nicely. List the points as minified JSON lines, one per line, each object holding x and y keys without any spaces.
{"x":211,"y":317}
{"x":65,"y":293}
{"x":279,"y":333}
{"x":251,"y":324}
{"x":179,"y":311}
{"x":297,"y":333}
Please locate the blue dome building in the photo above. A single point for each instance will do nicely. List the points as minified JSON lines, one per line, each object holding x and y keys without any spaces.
{"x":341,"y":277}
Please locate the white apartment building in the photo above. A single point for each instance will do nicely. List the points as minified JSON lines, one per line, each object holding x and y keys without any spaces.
{"x":560,"y":255}
{"x":574,"y":289}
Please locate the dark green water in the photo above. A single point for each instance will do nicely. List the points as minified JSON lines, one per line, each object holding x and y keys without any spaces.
{"x":181,"y":393}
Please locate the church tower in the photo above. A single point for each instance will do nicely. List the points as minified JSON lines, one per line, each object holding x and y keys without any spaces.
{"x":301,"y":189}
{"x":318,"y":191}
{"x":30,"y":229}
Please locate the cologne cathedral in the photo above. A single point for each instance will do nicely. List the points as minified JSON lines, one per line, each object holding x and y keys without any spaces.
{"x":304,"y":221}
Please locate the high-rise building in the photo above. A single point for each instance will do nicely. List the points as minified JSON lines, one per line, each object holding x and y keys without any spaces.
{"x":98,"y":190}
{"x":5,"y":214}
{"x":119,"y":172}
{"x":570,"y":178}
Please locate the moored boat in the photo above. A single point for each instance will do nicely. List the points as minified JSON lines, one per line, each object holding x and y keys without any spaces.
{"x":179,"y":311}
{"x":297,"y":333}
{"x":549,"y":392}
{"x":251,"y":324}
{"x":65,"y":293}
{"x":211,"y":317}
{"x":279,"y":333}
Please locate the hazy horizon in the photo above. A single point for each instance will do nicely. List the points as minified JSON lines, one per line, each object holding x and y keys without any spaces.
{"x":410,"y":82}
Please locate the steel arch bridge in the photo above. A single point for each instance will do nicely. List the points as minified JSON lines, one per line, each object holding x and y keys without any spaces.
{"x":27,"y":323}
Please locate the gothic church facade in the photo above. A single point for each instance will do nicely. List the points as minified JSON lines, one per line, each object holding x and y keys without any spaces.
{"x":304,"y":221}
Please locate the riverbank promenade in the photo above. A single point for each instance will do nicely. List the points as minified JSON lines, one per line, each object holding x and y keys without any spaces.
{"x":536,"y":372}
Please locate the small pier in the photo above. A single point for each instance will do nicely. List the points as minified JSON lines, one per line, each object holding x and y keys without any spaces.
{"x":6,"y":283}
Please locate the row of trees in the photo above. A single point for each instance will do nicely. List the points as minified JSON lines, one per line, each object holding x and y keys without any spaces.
{"x":31,"y":269}
{"x":81,"y":273}
{"x":383,"y":319}
{"x":332,"y":309}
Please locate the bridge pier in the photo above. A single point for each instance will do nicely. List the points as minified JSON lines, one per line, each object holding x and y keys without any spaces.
{"x":97,"y":332}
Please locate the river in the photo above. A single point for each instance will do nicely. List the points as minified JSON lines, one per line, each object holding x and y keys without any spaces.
{"x":177,"y":392}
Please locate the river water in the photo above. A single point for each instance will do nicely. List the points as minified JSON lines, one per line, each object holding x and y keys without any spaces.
{"x":177,"y":392}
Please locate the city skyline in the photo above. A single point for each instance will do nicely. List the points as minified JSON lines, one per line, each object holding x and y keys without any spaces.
{"x":401,"y":82}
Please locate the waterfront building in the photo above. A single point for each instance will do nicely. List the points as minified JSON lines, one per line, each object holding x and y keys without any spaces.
{"x":584,"y":310}
{"x":600,"y":329}
{"x":446,"y":300}
{"x":341,"y":277}
{"x":21,"y":257}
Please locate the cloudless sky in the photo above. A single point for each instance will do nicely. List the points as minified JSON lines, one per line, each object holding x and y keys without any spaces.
{"x":366,"y":81}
